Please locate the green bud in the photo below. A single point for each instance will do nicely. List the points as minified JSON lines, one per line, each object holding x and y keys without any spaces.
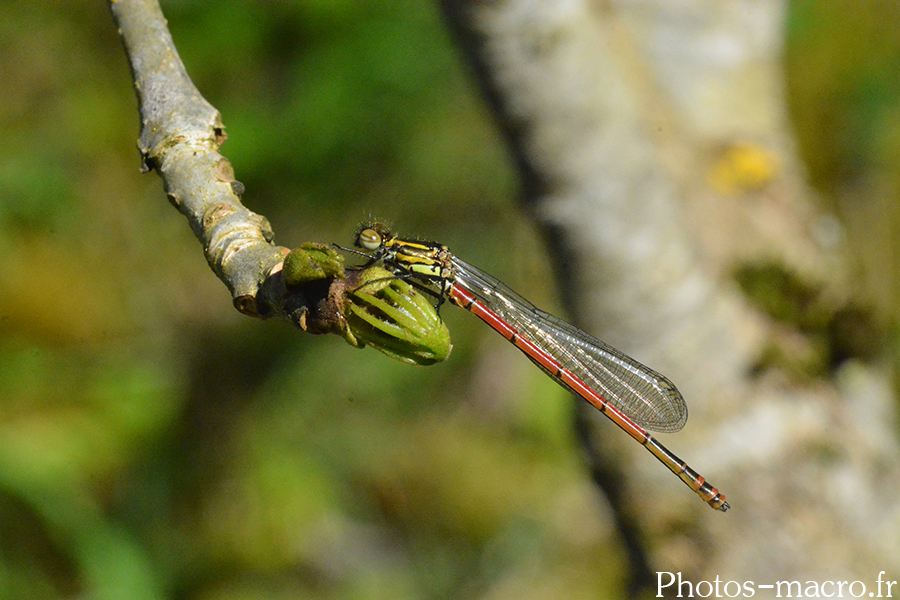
{"x":390,"y":315}
{"x":311,"y":262}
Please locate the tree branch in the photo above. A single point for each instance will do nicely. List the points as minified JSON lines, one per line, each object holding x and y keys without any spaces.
{"x":180,"y":138}
{"x":181,"y":134}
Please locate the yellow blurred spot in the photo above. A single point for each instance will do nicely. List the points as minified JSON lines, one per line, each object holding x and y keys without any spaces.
{"x":742,"y":167}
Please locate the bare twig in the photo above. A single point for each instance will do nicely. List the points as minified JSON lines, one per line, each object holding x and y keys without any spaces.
{"x":181,"y":134}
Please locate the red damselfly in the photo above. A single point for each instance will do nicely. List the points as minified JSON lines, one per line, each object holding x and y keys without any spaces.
{"x":634,"y":397}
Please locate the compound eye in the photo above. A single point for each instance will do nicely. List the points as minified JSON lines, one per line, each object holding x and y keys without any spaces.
{"x":369,"y":239}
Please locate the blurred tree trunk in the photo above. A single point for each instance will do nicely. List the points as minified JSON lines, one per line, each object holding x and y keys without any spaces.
{"x":656,"y":155}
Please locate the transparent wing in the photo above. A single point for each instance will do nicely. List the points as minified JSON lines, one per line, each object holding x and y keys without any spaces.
{"x":650,"y":399}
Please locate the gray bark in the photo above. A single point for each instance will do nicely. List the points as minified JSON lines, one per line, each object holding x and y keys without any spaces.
{"x":625,"y":117}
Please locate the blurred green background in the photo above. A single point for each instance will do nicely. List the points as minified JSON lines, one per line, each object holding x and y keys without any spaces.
{"x":156,"y":444}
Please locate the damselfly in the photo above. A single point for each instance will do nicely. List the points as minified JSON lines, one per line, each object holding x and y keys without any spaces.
{"x":634,"y":397}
